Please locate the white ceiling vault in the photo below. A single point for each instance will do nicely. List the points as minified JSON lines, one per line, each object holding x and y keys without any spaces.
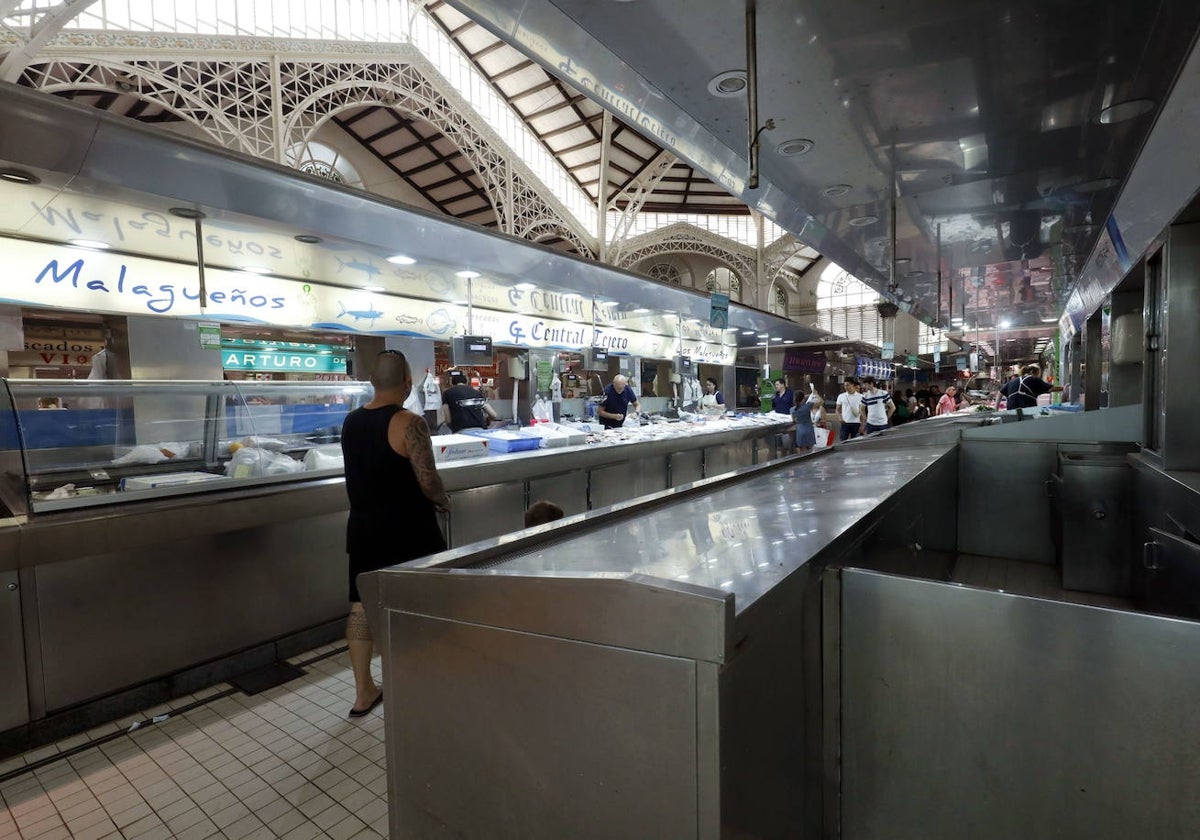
{"x":424,"y":90}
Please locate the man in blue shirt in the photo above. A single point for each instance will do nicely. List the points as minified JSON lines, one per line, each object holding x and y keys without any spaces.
{"x":618,"y":396}
{"x":783,"y":400}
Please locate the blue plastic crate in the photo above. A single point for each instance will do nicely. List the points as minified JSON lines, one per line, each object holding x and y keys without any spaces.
{"x":502,"y":441}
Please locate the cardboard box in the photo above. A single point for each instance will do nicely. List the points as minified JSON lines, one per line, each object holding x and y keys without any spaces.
{"x":458,"y":447}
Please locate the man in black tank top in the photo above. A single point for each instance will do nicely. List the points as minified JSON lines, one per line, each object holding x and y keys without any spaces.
{"x":391,"y":477}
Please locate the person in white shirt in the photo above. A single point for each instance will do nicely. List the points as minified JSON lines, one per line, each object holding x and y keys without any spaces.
{"x":848,"y":405}
{"x":877,"y":407}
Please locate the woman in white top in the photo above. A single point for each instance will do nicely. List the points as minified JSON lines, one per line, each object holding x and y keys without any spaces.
{"x":712,"y":401}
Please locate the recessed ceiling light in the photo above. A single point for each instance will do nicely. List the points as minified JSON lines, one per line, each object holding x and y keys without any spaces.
{"x":747,"y":332}
{"x":1127,"y":110}
{"x":466,"y":275}
{"x":186,"y":213}
{"x":863,"y":221}
{"x":400,"y":259}
{"x":525,"y":287}
{"x":836,"y":190}
{"x":641,"y":310}
{"x":307,"y":238}
{"x":797,"y":146}
{"x":1097,"y":184}
{"x":729,"y":84}
{"x":762,"y":335}
{"x":90,"y":243}
{"x":776,"y":338}
{"x":255,"y":269}
{"x":19,"y":176}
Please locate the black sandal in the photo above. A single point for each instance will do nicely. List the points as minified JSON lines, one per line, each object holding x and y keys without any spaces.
{"x":357,"y":713}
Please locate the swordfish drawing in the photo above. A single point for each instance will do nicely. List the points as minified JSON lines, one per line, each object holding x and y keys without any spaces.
{"x":370,"y":314}
{"x":358,"y":265}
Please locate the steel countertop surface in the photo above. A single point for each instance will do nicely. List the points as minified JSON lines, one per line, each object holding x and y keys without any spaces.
{"x":743,"y":538}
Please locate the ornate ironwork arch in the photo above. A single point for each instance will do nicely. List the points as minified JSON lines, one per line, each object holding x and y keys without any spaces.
{"x":686,"y":239}
{"x":233,"y":101}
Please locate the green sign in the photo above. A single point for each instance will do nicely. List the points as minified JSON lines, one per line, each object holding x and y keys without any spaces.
{"x":264,"y":361}
{"x":545,"y":373}
{"x":210,"y":336}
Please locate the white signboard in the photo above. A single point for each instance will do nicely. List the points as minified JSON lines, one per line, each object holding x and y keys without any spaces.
{"x":65,"y":277}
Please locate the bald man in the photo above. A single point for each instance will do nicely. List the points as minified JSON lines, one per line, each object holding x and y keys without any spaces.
{"x":395,"y":492}
{"x":618,"y":396}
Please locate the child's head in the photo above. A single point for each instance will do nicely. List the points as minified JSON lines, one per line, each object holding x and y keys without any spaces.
{"x":540,"y":513}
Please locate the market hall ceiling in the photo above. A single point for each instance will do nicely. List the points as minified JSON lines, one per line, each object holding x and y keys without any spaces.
{"x":1012,"y":128}
{"x":563,"y":119}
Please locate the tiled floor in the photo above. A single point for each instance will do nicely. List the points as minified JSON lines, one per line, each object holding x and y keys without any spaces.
{"x":283,"y":763}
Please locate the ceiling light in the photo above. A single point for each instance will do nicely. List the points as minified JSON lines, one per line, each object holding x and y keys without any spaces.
{"x":762,"y":335}
{"x":747,"y":332}
{"x":373,"y":289}
{"x":255,"y":269}
{"x":90,"y":243}
{"x":836,"y":190}
{"x":400,"y":259}
{"x":1005,"y":324}
{"x":1097,"y":184}
{"x":797,"y":146}
{"x":641,"y":310}
{"x":1127,"y":110}
{"x":307,"y":238}
{"x":467,"y":275}
{"x":525,"y":287}
{"x":186,"y":213}
{"x":1050,"y":320}
{"x":19,"y":176}
{"x":729,"y":84}
{"x":572,"y":296}
{"x":776,"y":338}
{"x":863,"y":221}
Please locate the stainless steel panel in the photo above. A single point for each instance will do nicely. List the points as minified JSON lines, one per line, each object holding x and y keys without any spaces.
{"x":1172,"y":573}
{"x":719,"y":460}
{"x":1003,"y":509}
{"x":686,"y":467}
{"x":622,"y":482}
{"x":1097,"y":524}
{"x":169,"y":348}
{"x":552,"y":733}
{"x":14,"y":698}
{"x":972,"y":713}
{"x":110,"y":620}
{"x":483,"y":512}
{"x":1181,"y":348}
{"x":567,"y":490}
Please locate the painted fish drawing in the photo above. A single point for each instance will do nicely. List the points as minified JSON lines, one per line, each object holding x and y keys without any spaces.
{"x":365,"y":267}
{"x":408,"y":319}
{"x":359,"y":314}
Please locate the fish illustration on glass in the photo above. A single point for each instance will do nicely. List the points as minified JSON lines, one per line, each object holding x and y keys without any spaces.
{"x":370,"y":314}
{"x":358,"y":265}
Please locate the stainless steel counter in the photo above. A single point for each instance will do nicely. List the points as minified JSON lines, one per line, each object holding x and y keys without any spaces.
{"x":250,"y":569}
{"x":650,"y":670}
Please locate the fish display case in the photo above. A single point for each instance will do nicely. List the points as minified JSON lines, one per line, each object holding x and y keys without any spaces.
{"x":67,"y":444}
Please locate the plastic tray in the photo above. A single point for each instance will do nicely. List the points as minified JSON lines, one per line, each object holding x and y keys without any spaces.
{"x":502,"y":441}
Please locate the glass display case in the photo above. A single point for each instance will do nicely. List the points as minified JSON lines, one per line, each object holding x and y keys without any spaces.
{"x":76,"y":443}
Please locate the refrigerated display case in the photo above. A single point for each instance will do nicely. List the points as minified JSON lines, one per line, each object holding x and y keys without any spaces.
{"x":123,"y":441}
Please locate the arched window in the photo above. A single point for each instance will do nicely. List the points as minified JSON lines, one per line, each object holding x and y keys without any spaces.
{"x":722,"y":279}
{"x":846,"y":306}
{"x":931,"y":339}
{"x":665,"y":273}
{"x":318,"y":159}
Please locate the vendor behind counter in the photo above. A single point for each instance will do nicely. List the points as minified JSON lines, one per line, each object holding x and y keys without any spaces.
{"x":464,"y":407}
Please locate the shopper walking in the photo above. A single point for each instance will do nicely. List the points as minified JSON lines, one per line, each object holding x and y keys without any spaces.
{"x":849,"y":406}
{"x":391,"y":479}
{"x":877,"y":407}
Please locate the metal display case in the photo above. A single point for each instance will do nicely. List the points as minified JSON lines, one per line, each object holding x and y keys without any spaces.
{"x":72,"y":444}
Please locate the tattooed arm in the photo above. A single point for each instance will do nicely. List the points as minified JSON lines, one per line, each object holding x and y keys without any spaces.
{"x":409,"y":436}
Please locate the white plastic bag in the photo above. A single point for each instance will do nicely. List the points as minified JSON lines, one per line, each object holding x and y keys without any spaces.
{"x":251,"y":462}
{"x":143,"y":454}
{"x":413,"y":403}
{"x":432,"y":392}
{"x":324,"y":458}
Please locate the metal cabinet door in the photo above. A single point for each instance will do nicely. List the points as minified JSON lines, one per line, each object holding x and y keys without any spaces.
{"x":14,"y":697}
